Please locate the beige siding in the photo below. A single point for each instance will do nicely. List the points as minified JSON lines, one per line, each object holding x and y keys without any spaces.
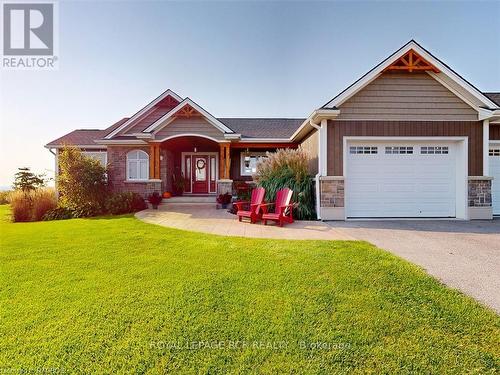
{"x":310,"y":145}
{"x":406,"y":96}
{"x":193,"y":125}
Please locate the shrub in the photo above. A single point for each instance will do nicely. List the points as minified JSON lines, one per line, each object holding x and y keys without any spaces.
{"x":122,"y":203}
{"x":58,"y":213}
{"x":32,"y":205}
{"x":21,"y":206}
{"x":82,"y":183}
{"x":4,"y":197}
{"x":43,"y":201}
{"x":288,"y":168}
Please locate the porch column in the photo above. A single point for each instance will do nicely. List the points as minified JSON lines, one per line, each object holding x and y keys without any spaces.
{"x":224,"y":160}
{"x":486,"y":147}
{"x":228,"y":160}
{"x":154,"y":161}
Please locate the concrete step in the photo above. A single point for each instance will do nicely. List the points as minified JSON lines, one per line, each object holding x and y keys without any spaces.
{"x":189,"y":199}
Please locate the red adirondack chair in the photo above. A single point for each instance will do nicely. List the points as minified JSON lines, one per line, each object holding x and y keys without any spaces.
{"x":283,"y":209}
{"x":255,"y":201}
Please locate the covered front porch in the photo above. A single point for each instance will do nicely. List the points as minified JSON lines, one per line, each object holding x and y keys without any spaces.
{"x":197,"y":165}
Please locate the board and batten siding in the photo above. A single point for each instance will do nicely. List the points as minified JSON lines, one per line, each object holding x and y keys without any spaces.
{"x":338,"y":129}
{"x":495,"y":132}
{"x":310,"y":145}
{"x":193,"y":125}
{"x":406,"y":96}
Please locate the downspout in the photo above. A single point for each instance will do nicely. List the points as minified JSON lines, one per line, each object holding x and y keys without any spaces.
{"x":318,"y":175}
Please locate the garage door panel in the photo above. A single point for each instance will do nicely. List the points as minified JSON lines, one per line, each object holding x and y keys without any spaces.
{"x":399,"y":184}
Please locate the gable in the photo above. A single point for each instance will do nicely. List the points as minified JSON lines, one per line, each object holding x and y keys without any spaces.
{"x":192,"y":125}
{"x":406,"y":96}
{"x":148,"y":114}
{"x":422,"y":60}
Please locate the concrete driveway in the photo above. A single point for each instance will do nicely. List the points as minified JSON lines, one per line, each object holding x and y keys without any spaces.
{"x":462,"y":254}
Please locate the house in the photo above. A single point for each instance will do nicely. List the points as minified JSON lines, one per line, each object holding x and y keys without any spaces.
{"x":409,"y":139}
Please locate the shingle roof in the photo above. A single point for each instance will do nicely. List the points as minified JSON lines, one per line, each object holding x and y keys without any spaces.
{"x":85,"y":137}
{"x":263,"y":127}
{"x":247,"y":127}
{"x":494,"y":96}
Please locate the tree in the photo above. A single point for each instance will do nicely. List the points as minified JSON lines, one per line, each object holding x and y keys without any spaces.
{"x":81,"y":182}
{"x":27,"y":181}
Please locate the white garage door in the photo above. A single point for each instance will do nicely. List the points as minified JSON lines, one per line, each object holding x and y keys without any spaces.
{"x":495,"y":173}
{"x":400,"y":180}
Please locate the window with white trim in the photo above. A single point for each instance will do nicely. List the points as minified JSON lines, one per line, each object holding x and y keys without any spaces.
{"x":399,"y":150}
{"x":100,"y":156}
{"x":248,"y":162}
{"x":494,"y":152}
{"x":137,"y":165}
{"x":434,"y":150}
{"x":363,"y":150}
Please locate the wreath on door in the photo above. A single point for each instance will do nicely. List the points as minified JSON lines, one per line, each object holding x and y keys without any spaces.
{"x":200,"y":164}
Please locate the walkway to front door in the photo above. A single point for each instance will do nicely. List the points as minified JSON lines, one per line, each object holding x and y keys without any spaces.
{"x":201,"y":217}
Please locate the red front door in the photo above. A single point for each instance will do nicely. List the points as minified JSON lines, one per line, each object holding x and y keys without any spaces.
{"x":200,"y":173}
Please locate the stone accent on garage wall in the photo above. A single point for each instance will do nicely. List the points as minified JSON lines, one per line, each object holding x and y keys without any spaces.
{"x":479,"y":192}
{"x":332,"y":197}
{"x":332,"y":191}
{"x":117,"y":172}
{"x":479,"y":198}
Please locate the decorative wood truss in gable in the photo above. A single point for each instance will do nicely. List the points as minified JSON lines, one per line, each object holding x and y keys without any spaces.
{"x":411,"y":61}
{"x":187,"y":112}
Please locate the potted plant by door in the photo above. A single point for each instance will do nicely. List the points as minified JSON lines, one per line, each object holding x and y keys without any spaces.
{"x":155,"y":199}
{"x":224,"y":199}
{"x":179,"y":184}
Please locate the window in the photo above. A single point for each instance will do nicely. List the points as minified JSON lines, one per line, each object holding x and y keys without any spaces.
{"x":405,"y":150}
{"x":494,"y":152}
{"x":363,"y":150}
{"x":100,"y":156}
{"x":432,"y":150}
{"x":248,"y":161}
{"x":137,"y":165}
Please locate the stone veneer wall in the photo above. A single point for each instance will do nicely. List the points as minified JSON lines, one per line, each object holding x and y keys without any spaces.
{"x":332,"y":193}
{"x":117,"y":172}
{"x":479,"y":193}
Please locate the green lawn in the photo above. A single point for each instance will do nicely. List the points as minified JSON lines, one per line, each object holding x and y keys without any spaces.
{"x":115,"y":295}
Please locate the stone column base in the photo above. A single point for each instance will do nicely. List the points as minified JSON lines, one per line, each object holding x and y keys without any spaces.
{"x":224,"y":186}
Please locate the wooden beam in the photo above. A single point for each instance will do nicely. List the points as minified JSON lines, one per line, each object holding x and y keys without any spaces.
{"x":151,"y":160}
{"x":157,"y":162}
{"x":228,"y":160}
{"x":221,"y":161}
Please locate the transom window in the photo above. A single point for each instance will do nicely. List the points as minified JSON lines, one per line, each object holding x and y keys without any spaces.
{"x":363,"y":150}
{"x":248,"y":162}
{"x":494,"y":152}
{"x":432,"y":150}
{"x":137,"y":165}
{"x":399,"y":150}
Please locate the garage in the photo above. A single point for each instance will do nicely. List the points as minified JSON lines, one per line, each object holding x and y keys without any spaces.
{"x":404,"y":179}
{"x":494,"y":161}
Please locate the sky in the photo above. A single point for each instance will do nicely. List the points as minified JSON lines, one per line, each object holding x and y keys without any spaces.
{"x":235,"y":59}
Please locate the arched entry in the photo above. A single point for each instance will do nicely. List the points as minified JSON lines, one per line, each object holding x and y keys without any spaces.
{"x":194,"y":163}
